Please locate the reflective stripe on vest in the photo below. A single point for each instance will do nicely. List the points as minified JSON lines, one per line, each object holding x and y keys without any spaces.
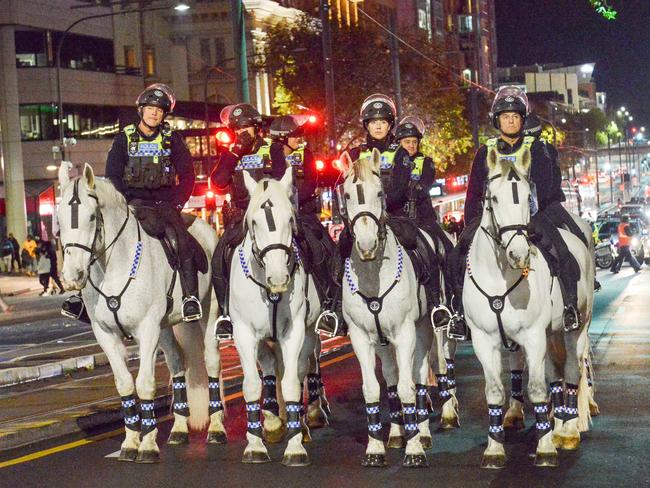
{"x":139,"y":148}
{"x":254,"y":161}
{"x":623,"y":238}
{"x":387,"y":159}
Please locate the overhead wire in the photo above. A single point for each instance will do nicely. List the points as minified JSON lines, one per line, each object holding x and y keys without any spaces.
{"x":428,"y":58}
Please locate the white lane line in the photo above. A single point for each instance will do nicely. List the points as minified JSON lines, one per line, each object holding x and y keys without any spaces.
{"x":52,"y":341}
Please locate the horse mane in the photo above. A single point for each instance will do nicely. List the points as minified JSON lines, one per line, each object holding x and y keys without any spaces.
{"x":362,"y":169}
{"x":108,"y":195}
{"x":266,"y":192}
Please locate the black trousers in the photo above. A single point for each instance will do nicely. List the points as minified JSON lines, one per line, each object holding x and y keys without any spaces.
{"x":232,"y":237}
{"x":561,"y":217}
{"x":624,"y":253}
{"x":320,"y":251}
{"x":163,"y":220}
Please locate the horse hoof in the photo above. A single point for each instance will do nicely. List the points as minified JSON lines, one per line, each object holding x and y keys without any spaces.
{"x":306,"y":436}
{"x":274,"y":436}
{"x":317,"y":419}
{"x":374,"y":461}
{"x":255,"y":457}
{"x":514,"y":423}
{"x":128,"y":455}
{"x":178,"y":438}
{"x":415,"y":461}
{"x":426,"y":442}
{"x":594,"y":411}
{"x":296,"y":460}
{"x":570,"y":443}
{"x":557,"y":440}
{"x":217,"y":437}
{"x":148,"y":457}
{"x":396,"y":442}
{"x":546,"y":459}
{"x":449,"y":423}
{"x":326,"y":408}
{"x":493,"y":461}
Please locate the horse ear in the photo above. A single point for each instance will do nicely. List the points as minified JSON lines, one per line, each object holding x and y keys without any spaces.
{"x":89,"y":176}
{"x":64,"y":173}
{"x":346,"y":162}
{"x":287,"y":180}
{"x":376,"y":160}
{"x":491,"y":160}
{"x":249,"y":182}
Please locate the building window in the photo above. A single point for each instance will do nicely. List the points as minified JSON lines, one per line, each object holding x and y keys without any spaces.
{"x":150,"y":61}
{"x":31,"y":48}
{"x":465,"y":24}
{"x":85,"y":52}
{"x":206,"y":56}
{"x":569,"y":96}
{"x":130,"y":58}
{"x":219,"y":51}
{"x":38,"y":122}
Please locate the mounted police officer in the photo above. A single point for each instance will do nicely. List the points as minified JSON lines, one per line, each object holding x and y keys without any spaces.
{"x":151,"y":166}
{"x":410,"y":179}
{"x":287,"y":149}
{"x":251,"y":153}
{"x":509,"y":111}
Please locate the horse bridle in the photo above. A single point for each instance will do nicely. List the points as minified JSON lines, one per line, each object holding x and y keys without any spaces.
{"x":258,"y":254}
{"x":518,"y":229}
{"x":361,"y":198}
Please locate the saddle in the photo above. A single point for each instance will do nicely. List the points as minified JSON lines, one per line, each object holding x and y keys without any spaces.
{"x":410,"y":237}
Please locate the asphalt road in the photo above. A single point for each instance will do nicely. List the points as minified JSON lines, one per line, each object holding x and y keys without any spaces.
{"x":613,"y":453}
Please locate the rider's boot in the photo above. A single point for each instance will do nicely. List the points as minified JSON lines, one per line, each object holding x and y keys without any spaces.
{"x":330,"y":322}
{"x":597,"y":285}
{"x":457,"y":326}
{"x":571,"y":318}
{"x":191,"y":306}
{"x":75,"y":308}
{"x":223,"y":325}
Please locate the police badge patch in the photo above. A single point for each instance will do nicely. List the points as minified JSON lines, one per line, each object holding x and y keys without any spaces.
{"x":158,"y":93}
{"x":510,"y":99}
{"x":377,"y":105}
{"x":237,"y":112}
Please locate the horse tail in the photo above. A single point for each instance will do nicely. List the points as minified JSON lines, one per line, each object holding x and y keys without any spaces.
{"x":584,"y":393}
{"x":190,"y":340}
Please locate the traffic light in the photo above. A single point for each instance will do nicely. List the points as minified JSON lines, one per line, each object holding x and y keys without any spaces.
{"x":210,"y":201}
{"x":224,"y":136}
{"x":320,"y":165}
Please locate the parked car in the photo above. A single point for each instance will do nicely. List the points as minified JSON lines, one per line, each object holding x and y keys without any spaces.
{"x":607,"y":229}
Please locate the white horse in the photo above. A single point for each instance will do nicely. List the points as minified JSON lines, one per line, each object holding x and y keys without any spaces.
{"x":509,"y":275}
{"x":380,"y":302}
{"x":267,"y":301}
{"x":124,"y":279}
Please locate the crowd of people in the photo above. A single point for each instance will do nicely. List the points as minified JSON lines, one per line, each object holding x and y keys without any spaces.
{"x":34,"y":258}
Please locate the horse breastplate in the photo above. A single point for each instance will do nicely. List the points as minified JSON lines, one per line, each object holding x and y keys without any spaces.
{"x":149,"y":163}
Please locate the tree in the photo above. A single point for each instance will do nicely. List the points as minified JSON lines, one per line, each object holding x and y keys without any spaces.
{"x":362,"y":66}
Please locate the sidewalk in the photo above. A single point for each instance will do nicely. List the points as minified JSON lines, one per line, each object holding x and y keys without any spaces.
{"x":21,"y":293}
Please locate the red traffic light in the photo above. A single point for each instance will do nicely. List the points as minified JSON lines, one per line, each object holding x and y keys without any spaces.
{"x":224,"y":136}
{"x":320,"y":165}
{"x":312,"y":119}
{"x":209,"y":194}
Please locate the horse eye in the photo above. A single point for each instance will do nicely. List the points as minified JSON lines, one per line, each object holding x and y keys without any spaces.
{"x":494,"y":199}
{"x":380,"y":194}
{"x":347,"y":196}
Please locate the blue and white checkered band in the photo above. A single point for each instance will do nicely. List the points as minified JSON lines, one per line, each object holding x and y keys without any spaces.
{"x":541,"y":408}
{"x":451,"y":383}
{"x":215,"y":403}
{"x":517,"y":376}
{"x":373,"y":409}
{"x":495,"y":428}
{"x":268,"y":382}
{"x":254,"y":425}
{"x":572,"y":391}
{"x":313,"y":379}
{"x":409,"y":410}
{"x":374,"y":427}
{"x":411,"y":427}
{"x":398,"y":274}
{"x":543,"y":425}
{"x":415,"y":177}
{"x":149,"y":149}
{"x":179,"y":385}
{"x":136,"y":259}
{"x":509,"y":159}
{"x":294,"y":159}
{"x":451,"y":365}
{"x":250,"y":161}
{"x":495,"y":412}
{"x":149,"y":422}
{"x":559,"y":409}
{"x":214,"y":385}
{"x":385,"y":163}
{"x":293,"y":408}
{"x":444,"y":393}
{"x":392,"y":394}
{"x":132,"y":420}
{"x":148,"y":406}
{"x":421,"y":391}
{"x":252,"y":407}
{"x":422,"y":411}
{"x":180,"y":405}
{"x":128,"y":403}
{"x":294,"y":424}
{"x":571,"y":410}
{"x":395,"y":415}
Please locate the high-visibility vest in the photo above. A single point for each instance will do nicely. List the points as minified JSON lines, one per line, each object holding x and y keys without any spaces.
{"x":623,"y":238}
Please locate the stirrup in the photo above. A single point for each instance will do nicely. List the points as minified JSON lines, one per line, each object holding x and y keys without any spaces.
{"x":196,"y":316}
{"x":327,"y":315}
{"x":576,"y":322}
{"x":597,"y":286}
{"x":440,"y":308}
{"x":225,"y":335}
{"x":66,"y":307}
{"x":451,"y":334}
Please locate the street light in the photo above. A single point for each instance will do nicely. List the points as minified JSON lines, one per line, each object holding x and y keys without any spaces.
{"x":179,"y":7}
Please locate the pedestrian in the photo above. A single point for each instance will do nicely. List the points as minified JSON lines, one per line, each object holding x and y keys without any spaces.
{"x":50,"y":248}
{"x":624,"y":241}
{"x":28,"y":255}
{"x":43,"y":268}
{"x":6,"y":253}
{"x":15,"y":258}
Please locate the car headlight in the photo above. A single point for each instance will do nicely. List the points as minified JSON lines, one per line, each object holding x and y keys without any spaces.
{"x":635,"y":242}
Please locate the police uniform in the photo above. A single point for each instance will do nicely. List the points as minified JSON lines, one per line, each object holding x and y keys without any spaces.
{"x":156,"y":175}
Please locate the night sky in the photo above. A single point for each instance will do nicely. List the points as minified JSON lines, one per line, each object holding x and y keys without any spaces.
{"x":571,"y":32}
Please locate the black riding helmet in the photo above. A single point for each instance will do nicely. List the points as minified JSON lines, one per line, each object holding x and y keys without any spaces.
{"x":509,"y":99}
{"x":287,"y":126}
{"x":157,"y":95}
{"x":378,"y":106}
{"x":409,"y":127}
{"x":240,"y":116}
{"x":532,"y":126}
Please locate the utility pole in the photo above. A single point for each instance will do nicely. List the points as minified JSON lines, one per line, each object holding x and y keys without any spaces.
{"x":329,"y":77}
{"x":239,"y":43}
{"x":394,"y":55}
{"x":477,"y":59}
